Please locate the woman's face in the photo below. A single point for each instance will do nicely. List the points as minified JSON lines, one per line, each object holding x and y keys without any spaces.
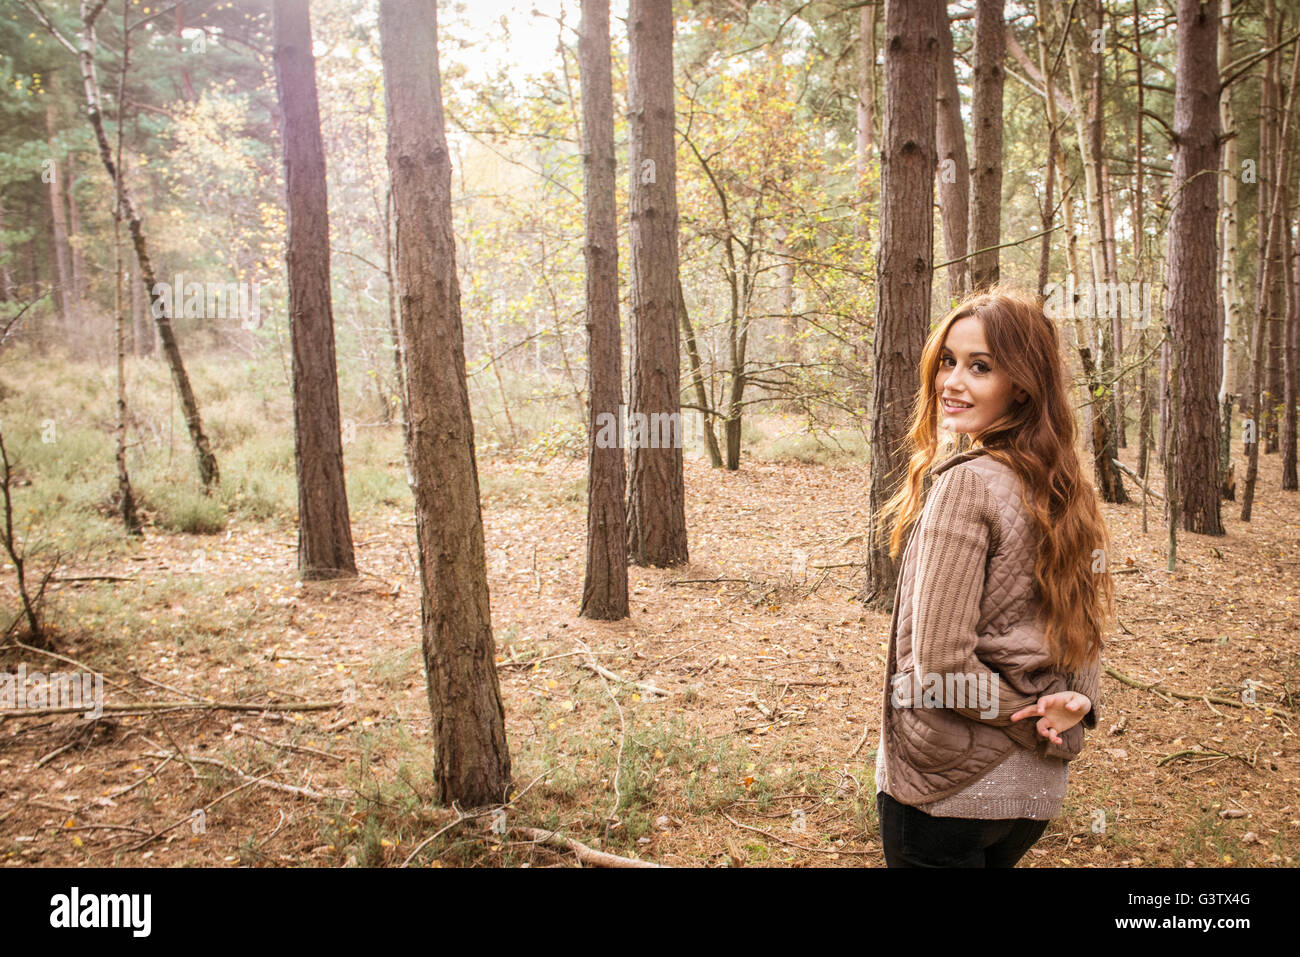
{"x":973,"y":392}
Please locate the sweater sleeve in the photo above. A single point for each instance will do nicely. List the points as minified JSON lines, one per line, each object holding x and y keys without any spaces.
{"x":1088,"y":682}
{"x":954,"y":533}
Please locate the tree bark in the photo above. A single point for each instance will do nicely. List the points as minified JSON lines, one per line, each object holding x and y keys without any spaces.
{"x":7,"y":290}
{"x":656,"y":496}
{"x":1292,"y":341}
{"x":604,"y":589}
{"x":1229,"y":291}
{"x":76,"y":241}
{"x":866,"y":84}
{"x":954,"y":164}
{"x":143,"y":336}
{"x":126,"y":503}
{"x":64,"y":295}
{"x":1140,"y":254}
{"x":904,"y":266}
{"x":471,"y":758}
{"x":1192,"y":256}
{"x":1117,"y":315}
{"x":1264,"y":176}
{"x":986,"y":117}
{"x":324,"y":530}
{"x":868,"y":100}
{"x":697,"y":381}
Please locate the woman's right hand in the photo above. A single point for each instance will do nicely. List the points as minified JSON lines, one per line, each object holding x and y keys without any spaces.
{"x":1056,"y":713}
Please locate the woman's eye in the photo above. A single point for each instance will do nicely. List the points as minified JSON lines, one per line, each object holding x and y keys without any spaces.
{"x":980,"y":367}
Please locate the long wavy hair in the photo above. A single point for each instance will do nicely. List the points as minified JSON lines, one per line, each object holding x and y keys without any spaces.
{"x":1036,"y":438}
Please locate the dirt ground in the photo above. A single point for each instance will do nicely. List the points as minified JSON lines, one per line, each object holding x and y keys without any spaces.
{"x":759,"y":750}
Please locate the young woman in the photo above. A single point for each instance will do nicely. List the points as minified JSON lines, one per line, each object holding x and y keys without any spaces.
{"x":1003,"y":594}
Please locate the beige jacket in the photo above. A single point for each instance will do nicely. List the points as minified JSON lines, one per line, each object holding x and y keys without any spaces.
{"x":973,"y":547}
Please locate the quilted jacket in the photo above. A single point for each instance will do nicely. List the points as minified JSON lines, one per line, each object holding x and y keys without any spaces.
{"x":973,"y":548}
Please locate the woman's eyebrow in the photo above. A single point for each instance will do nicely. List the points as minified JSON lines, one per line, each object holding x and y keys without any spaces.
{"x":973,"y":354}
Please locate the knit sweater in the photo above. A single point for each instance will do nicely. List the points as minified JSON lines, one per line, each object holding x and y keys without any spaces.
{"x":967,"y":604}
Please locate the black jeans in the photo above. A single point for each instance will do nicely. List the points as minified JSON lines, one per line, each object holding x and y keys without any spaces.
{"x":913,"y":838}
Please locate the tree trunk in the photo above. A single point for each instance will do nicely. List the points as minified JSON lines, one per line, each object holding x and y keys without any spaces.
{"x":1264,"y":175}
{"x":84,"y":50}
{"x":7,"y":290}
{"x":126,"y":504}
{"x":790,"y":350}
{"x":656,"y":496}
{"x":64,"y":297}
{"x":1097,"y":331}
{"x":324,"y":530}
{"x":1192,"y":255}
{"x":1228,"y":260}
{"x":395,"y":331}
{"x":207,"y":462}
{"x":986,"y":118}
{"x":1055,"y":156}
{"x":866,"y":85}
{"x":1140,"y":253}
{"x":604,"y":590}
{"x":471,"y":758}
{"x":903,"y":270}
{"x":1279,"y":174}
{"x":1273,"y":379}
{"x":76,"y":239}
{"x":954,"y":164}
{"x":1117,"y":315}
{"x":697,"y":381}
{"x":1292,"y":340}
{"x":868,"y":101}
{"x":143,"y":333}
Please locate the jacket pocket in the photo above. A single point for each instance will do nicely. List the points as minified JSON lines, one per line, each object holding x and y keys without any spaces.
{"x":931,"y":739}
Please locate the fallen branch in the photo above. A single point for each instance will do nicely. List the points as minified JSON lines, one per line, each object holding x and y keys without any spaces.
{"x":145,"y":706}
{"x":274,"y":785}
{"x":861,"y":741}
{"x":1210,"y":756}
{"x":581,"y":851}
{"x":93,"y":578}
{"x":301,"y":749}
{"x":781,"y":840}
{"x":462,"y":817}
{"x":1186,"y":696}
{"x":190,"y":817}
{"x":711,"y":581}
{"x":1137,"y":479}
{"x":1191,"y":752}
{"x":606,"y":673}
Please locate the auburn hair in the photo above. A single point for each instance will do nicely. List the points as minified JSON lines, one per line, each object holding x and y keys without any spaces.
{"x":1035,"y":438}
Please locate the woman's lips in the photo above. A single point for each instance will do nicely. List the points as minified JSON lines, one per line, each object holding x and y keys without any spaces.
{"x":954,"y":408}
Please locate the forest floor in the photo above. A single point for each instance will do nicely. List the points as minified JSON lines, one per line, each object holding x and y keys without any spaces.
{"x":760,"y":751}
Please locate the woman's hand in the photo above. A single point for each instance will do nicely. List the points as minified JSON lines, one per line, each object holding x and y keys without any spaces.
{"x":1057,"y":713}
